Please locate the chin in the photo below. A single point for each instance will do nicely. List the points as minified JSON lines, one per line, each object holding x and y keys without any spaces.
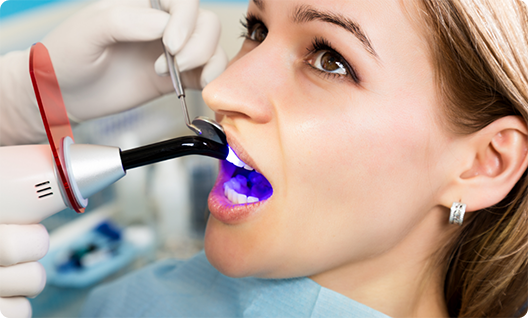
{"x":227,"y":250}
{"x":246,"y":250}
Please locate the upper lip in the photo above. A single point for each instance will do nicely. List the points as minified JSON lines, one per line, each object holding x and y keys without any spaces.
{"x":240,"y":152}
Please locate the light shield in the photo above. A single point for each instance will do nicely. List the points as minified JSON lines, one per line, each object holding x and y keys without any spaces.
{"x":54,"y":116}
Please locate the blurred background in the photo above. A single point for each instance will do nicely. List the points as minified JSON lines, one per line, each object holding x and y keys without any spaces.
{"x":155,"y":212}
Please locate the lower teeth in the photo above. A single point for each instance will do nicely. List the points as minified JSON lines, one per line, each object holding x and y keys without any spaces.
{"x":238,"y":198}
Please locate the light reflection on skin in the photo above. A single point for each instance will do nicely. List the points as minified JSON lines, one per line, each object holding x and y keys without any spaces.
{"x":353,"y":166}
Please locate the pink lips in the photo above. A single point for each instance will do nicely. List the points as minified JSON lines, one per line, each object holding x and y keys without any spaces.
{"x":220,"y":207}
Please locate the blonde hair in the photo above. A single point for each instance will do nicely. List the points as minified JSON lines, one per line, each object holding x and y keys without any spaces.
{"x":480,"y":53}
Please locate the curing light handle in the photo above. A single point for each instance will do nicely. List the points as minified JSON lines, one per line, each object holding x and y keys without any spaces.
{"x":91,"y":168}
{"x":173,"y":148}
{"x":31,"y":191}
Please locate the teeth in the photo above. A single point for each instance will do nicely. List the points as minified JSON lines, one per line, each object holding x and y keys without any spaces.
{"x":232,"y":157}
{"x":231,"y":195}
{"x":237,"y":198}
{"x":242,"y":199}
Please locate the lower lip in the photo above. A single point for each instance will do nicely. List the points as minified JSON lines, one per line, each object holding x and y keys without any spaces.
{"x":224,"y":210}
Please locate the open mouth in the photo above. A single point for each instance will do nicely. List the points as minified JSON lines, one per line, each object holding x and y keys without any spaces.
{"x":245,"y":184}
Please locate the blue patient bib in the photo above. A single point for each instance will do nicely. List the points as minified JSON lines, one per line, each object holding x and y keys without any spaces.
{"x":195,"y":288}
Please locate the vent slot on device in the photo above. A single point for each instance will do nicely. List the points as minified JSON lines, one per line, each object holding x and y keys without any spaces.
{"x":43,"y":189}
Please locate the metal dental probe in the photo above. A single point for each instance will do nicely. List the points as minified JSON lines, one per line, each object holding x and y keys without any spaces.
{"x":202,"y":126}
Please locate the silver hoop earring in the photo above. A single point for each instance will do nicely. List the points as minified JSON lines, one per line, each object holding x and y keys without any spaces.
{"x":457,"y":213}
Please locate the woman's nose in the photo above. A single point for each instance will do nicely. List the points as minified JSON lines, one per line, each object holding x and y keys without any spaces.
{"x":246,"y":87}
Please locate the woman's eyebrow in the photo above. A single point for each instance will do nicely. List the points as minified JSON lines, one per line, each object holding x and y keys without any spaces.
{"x":307,"y":13}
{"x":259,"y":4}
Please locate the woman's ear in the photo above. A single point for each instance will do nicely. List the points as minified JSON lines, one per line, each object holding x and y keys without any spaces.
{"x":498,"y":157}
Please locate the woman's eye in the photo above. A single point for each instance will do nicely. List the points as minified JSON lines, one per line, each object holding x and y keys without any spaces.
{"x":329,"y":62}
{"x":257,"y":32}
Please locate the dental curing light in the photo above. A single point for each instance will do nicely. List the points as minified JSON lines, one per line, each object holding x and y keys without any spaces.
{"x":39,"y":180}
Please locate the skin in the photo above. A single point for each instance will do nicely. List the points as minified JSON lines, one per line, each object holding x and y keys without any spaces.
{"x":360,"y":172}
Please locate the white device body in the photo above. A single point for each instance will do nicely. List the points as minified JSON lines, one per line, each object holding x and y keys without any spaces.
{"x":29,"y":187}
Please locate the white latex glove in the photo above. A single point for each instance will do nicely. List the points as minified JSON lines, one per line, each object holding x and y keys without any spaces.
{"x":19,"y":115}
{"x":104,"y":55}
{"x":20,"y":274}
{"x":104,"y":59}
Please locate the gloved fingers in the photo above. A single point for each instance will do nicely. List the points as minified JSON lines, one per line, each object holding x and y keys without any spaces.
{"x":26,"y":279}
{"x":160,"y":66}
{"x":15,"y":307}
{"x":199,"y":49}
{"x":199,"y":77}
{"x":22,"y":243}
{"x":214,"y":67}
{"x":128,"y":24}
{"x":202,"y":43}
{"x":183,"y":18}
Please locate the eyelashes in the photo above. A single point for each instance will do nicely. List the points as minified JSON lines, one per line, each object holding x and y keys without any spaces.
{"x":248,"y":23}
{"x":322,"y":57}
{"x":322,"y":46}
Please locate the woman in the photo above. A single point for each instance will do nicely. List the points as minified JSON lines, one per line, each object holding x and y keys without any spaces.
{"x":368,"y":123}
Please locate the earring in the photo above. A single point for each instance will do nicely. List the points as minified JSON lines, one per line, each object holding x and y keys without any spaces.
{"x":457,"y":213}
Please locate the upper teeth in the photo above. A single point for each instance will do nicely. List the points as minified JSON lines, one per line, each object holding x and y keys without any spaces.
{"x":232,"y":157}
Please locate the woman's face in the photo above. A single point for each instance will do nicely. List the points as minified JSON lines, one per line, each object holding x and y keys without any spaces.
{"x":334,"y":103}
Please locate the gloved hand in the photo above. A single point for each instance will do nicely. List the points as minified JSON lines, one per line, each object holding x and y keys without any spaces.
{"x":106,"y":58}
{"x":104,"y":55}
{"x":20,"y":275}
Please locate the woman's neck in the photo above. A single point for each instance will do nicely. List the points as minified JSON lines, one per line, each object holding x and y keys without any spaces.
{"x":401,"y":281}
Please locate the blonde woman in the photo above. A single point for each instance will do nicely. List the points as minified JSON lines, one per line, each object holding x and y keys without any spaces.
{"x":390,"y":145}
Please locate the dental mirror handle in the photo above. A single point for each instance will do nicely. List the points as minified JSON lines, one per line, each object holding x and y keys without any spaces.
{"x":175,"y":77}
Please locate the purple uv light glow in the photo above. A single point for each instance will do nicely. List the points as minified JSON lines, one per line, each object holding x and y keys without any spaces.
{"x":249,"y":183}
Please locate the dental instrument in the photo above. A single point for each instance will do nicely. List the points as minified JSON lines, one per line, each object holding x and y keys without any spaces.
{"x":202,"y":126}
{"x":39,"y":180}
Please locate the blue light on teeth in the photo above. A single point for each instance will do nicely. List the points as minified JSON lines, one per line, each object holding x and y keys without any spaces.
{"x":247,"y":186}
{"x":232,"y":157}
